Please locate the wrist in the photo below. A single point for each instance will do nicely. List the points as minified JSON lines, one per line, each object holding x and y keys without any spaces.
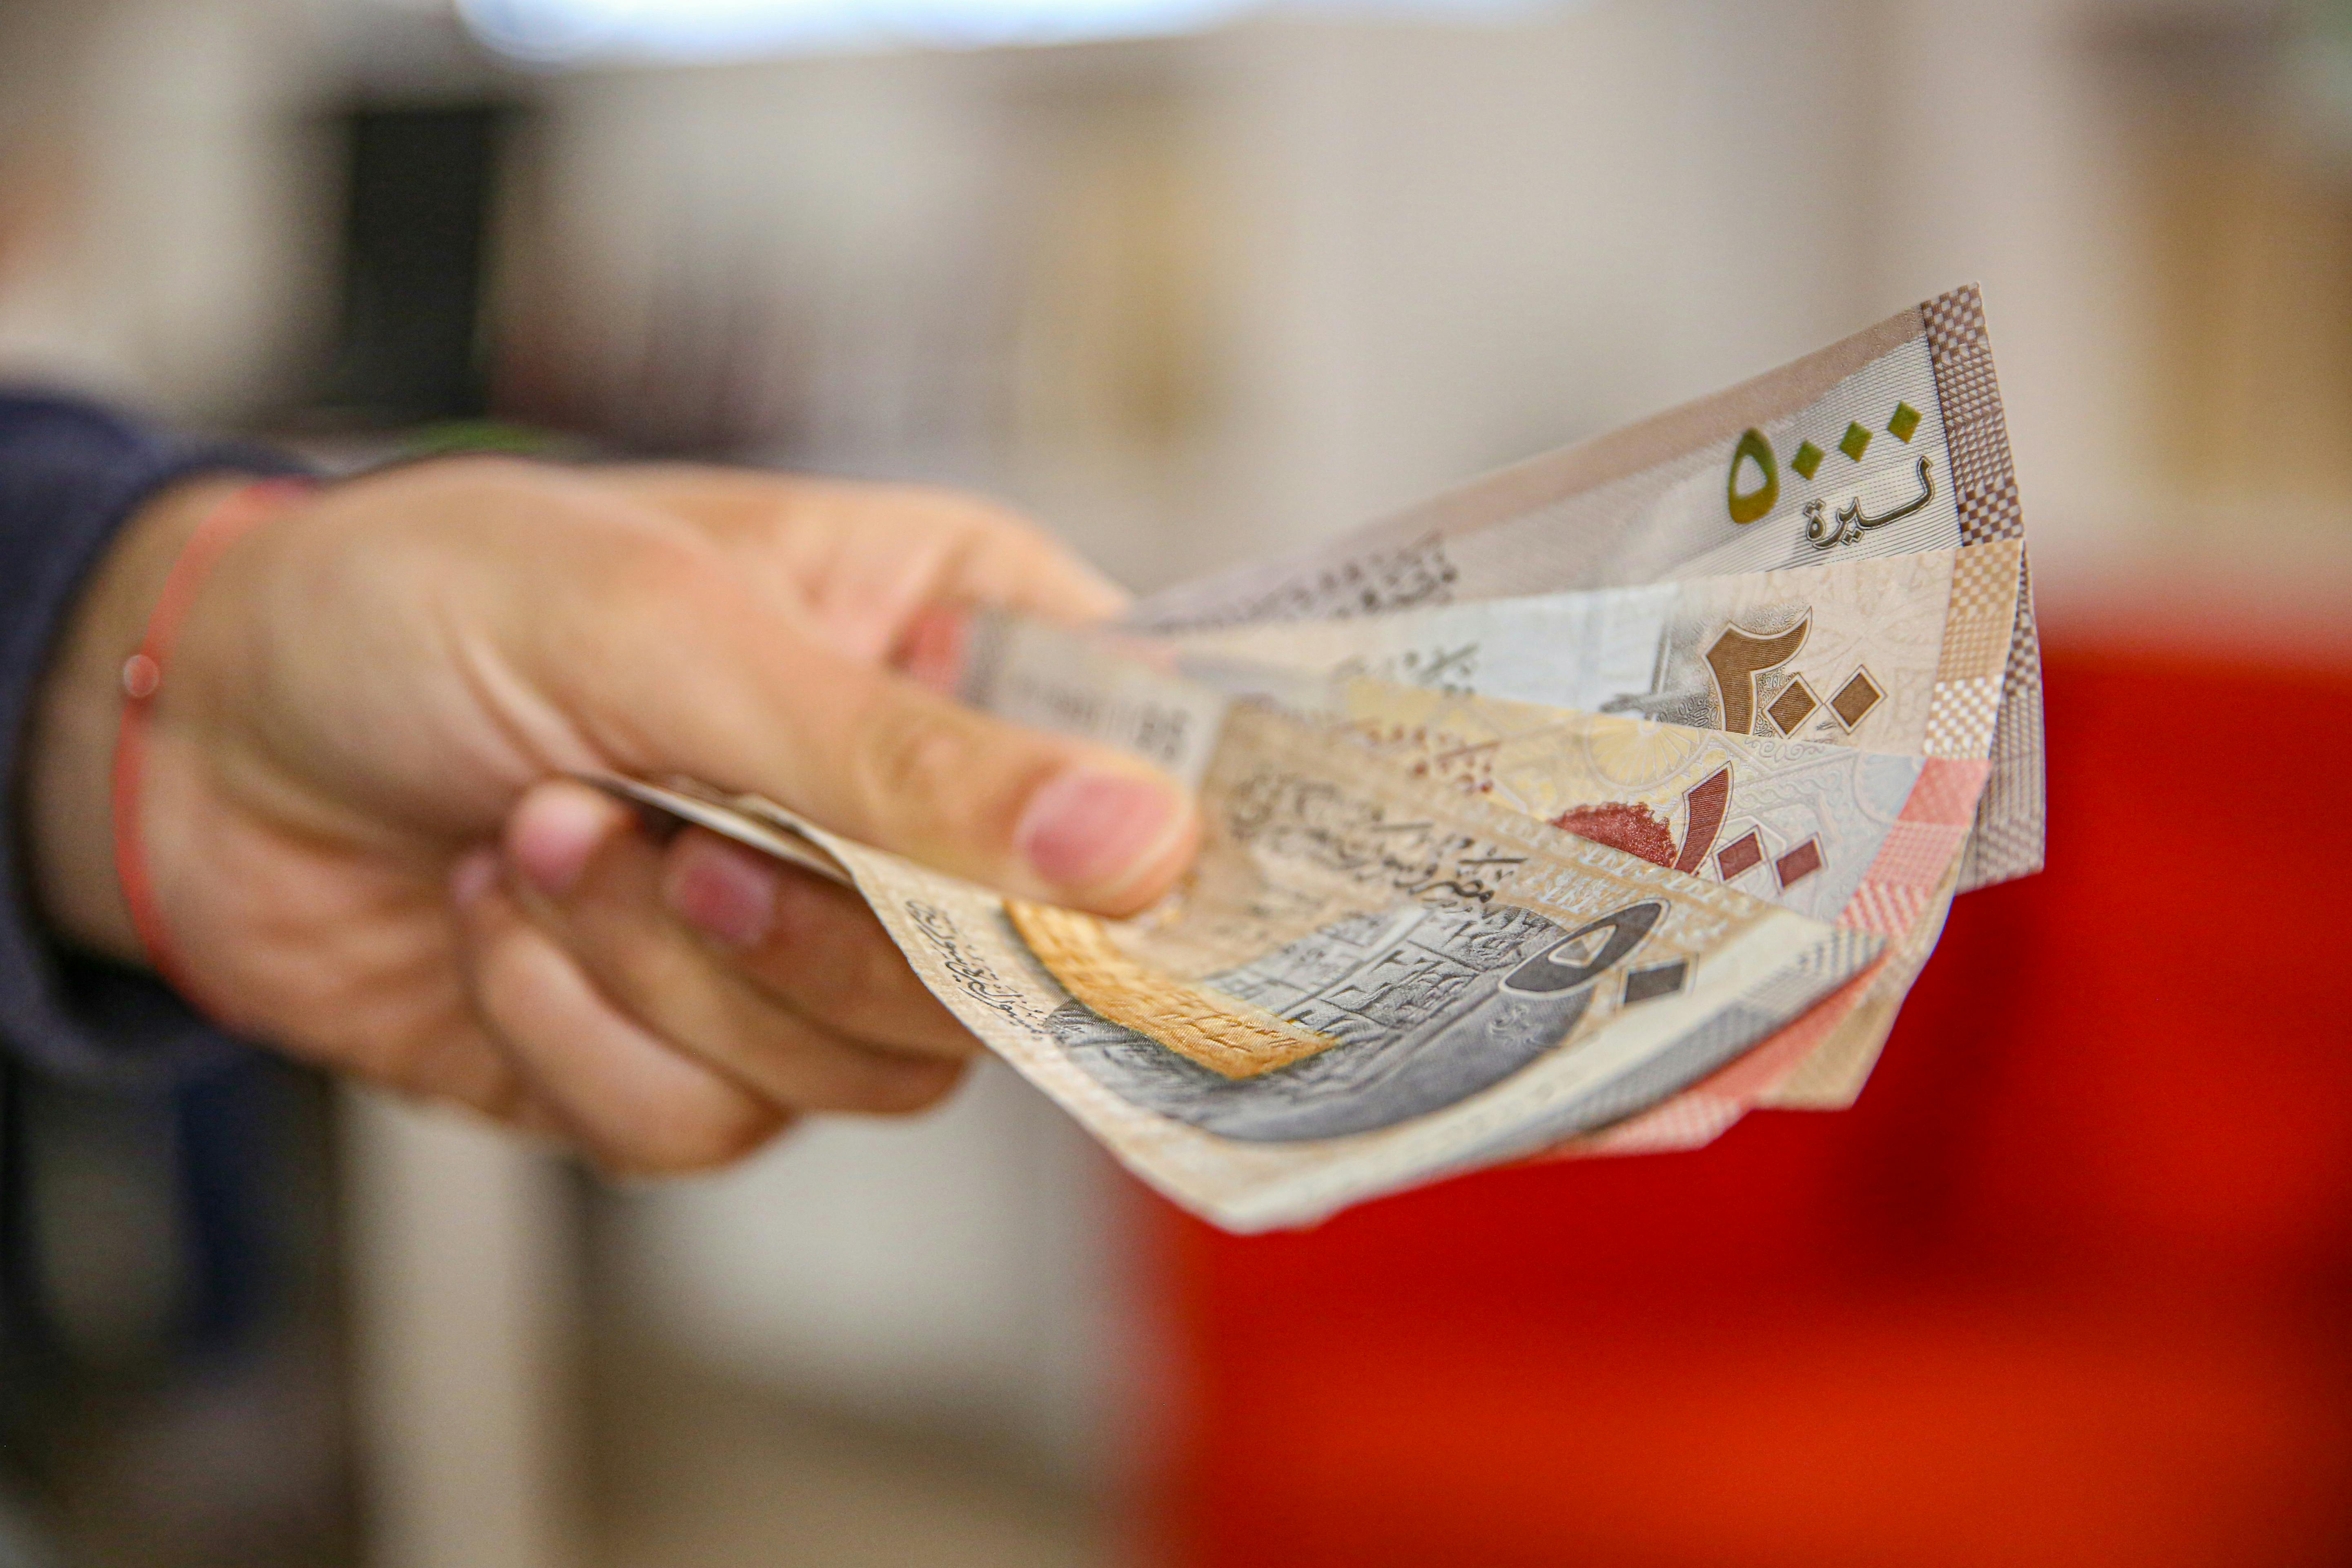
{"x":77,"y":718}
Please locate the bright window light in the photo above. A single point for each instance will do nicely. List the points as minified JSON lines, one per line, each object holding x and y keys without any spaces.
{"x":554,"y":32}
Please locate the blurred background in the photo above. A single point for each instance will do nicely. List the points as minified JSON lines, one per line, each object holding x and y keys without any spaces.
{"x":1195,"y":280}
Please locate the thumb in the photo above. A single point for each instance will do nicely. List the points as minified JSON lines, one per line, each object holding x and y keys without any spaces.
{"x":720,"y":687}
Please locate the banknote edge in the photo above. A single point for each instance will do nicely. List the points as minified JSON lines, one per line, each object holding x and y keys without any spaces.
{"x":2013,"y":815}
{"x":1744,"y":1020}
{"x":1539,"y":480}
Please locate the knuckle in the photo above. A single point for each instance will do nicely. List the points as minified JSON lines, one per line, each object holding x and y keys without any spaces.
{"x":918,"y":766}
{"x":703,"y":1136}
{"x":904,"y":1088}
{"x":666,"y":570}
{"x":992,"y":521}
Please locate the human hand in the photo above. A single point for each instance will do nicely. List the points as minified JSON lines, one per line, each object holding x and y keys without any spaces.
{"x":380,"y":683}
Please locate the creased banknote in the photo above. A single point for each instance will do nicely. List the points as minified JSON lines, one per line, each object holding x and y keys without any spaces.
{"x":1890,"y":443}
{"x":1869,"y":839}
{"x":1368,"y":980}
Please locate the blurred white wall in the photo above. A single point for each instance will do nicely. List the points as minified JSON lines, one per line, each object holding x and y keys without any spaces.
{"x":171,"y":214}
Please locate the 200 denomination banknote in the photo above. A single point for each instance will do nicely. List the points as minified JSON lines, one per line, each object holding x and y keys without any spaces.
{"x":1900,"y":653}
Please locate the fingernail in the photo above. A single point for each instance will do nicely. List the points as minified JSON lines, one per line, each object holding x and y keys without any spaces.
{"x":471,"y":877}
{"x":1087,"y":830}
{"x":726,"y":893}
{"x":556,"y":831}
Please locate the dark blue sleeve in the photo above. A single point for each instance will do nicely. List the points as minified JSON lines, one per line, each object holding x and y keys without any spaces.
{"x":70,"y":474}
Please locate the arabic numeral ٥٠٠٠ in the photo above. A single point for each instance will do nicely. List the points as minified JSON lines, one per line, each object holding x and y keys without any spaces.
{"x":1752,"y":483}
{"x":1757,"y":501}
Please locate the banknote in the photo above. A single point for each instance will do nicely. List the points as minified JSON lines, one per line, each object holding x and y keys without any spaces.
{"x":1901,"y":654}
{"x":1797,"y":819}
{"x":1368,"y":980}
{"x":1859,"y":838}
{"x":1818,"y":1062}
{"x":1889,"y":442}
{"x":1869,"y":840}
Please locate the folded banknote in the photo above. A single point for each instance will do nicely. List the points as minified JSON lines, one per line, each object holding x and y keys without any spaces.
{"x":1905,"y":654}
{"x":1368,"y":980}
{"x":1901,"y":655}
{"x":1869,"y":839}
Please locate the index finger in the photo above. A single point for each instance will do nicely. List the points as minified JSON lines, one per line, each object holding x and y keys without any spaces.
{"x":865,"y":560}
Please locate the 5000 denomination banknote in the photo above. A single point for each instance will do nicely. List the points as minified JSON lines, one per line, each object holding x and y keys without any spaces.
{"x":1368,"y":980}
{"x":1890,"y":443}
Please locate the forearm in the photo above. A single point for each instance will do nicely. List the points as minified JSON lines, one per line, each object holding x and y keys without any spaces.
{"x":66,"y":781}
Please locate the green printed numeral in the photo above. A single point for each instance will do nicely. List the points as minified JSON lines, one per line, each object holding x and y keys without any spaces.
{"x":1756,"y":502}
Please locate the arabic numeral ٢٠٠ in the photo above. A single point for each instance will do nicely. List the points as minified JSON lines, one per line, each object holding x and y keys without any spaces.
{"x":1735,"y":660}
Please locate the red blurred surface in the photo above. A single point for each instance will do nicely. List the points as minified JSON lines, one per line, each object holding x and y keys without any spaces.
{"x":2069,"y":1286}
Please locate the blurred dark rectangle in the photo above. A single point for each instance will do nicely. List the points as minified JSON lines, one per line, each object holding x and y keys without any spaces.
{"x":419,"y":185}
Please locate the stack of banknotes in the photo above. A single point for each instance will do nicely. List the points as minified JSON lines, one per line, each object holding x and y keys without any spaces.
{"x":1580,"y":811}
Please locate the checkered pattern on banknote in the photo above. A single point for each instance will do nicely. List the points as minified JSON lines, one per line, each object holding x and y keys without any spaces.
{"x":2011,"y":819}
{"x":1948,"y":792}
{"x":1982,"y":620}
{"x":1915,"y":853}
{"x":2009,"y":831}
{"x":1961,"y":717}
{"x":1983,"y":475}
{"x":1886,"y":908}
{"x":1991,"y":512}
{"x":1689,"y":1121}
